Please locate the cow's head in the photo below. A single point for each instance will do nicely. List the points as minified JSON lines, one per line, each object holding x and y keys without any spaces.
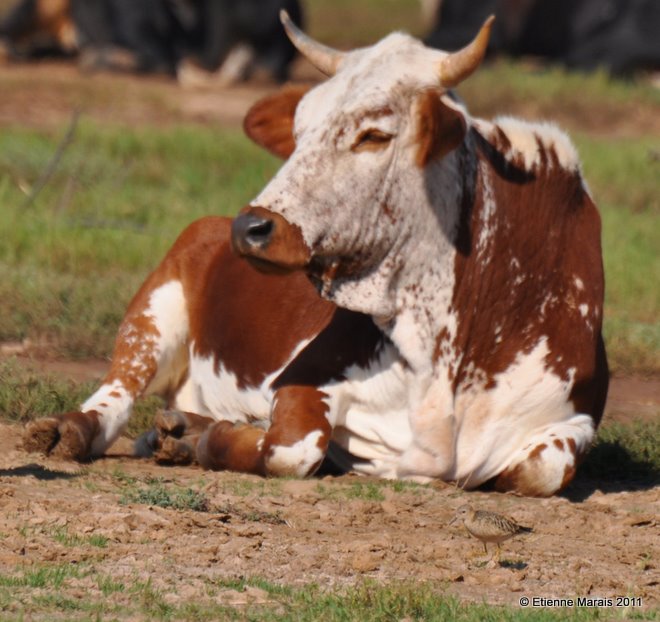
{"x":368,"y":149}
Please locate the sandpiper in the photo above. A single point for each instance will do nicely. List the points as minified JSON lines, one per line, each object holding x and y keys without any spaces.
{"x":488,"y":526}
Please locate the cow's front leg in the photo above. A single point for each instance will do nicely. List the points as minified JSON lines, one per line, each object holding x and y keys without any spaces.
{"x":150,"y":356}
{"x":295,"y":443}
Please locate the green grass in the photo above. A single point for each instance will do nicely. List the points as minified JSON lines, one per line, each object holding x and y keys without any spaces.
{"x":73,"y":257}
{"x":157,"y":493}
{"x":63,"y":537}
{"x":26,"y":394}
{"x":71,"y":260}
{"x":365,"y":602}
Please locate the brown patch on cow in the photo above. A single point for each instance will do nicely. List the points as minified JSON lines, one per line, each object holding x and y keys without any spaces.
{"x":440,"y":128}
{"x":545,"y":228}
{"x":558,"y":443}
{"x":501,"y":140}
{"x":569,"y":474}
{"x":115,"y":394}
{"x":441,"y":342}
{"x":285,"y":250}
{"x":388,"y":211}
{"x":233,"y":447}
{"x":241,"y":317}
{"x":572,"y":446}
{"x":537,"y":451}
{"x":269,"y":122}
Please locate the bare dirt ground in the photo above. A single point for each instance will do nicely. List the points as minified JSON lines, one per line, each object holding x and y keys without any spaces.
{"x":599,"y":539}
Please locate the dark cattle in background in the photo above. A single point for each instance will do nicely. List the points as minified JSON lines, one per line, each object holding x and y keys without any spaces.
{"x":34,"y":28}
{"x":619,"y":35}
{"x":224,"y":24}
{"x":151,"y":30}
{"x":154,"y":35}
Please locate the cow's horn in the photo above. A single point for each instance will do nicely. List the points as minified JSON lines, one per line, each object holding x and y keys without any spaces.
{"x":457,"y":66}
{"x":325,"y":59}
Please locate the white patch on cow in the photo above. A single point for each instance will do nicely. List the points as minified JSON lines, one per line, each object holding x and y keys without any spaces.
{"x":298,"y":459}
{"x":584,"y":309}
{"x":219,"y":395}
{"x":113,"y":403}
{"x":525,"y":137}
{"x":369,"y":413}
{"x":549,"y":300}
{"x":488,"y":226}
{"x":494,"y":424}
{"x":579,"y":284}
{"x":168,"y":311}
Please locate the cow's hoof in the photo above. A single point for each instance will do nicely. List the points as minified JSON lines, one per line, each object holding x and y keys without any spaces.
{"x":41,"y":436}
{"x":170,"y":423}
{"x":66,"y":436}
{"x":177,"y":450}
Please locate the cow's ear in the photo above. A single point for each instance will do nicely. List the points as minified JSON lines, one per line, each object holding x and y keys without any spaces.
{"x":441,"y":127}
{"x":269,"y":122}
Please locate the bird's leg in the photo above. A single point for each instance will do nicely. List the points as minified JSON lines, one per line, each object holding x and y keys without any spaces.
{"x":498,"y":553}
{"x":485,"y":548}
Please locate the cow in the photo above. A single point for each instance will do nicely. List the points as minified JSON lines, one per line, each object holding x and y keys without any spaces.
{"x":617,"y":35}
{"x":457,"y":334}
{"x":157,"y":36}
{"x":33,"y":28}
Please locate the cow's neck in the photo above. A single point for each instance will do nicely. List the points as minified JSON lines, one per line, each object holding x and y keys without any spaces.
{"x":410,"y":295}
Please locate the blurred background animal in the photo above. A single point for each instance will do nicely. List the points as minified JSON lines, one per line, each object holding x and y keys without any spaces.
{"x":155,"y":36}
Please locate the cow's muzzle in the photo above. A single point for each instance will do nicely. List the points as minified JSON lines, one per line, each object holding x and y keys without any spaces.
{"x":268,"y":240}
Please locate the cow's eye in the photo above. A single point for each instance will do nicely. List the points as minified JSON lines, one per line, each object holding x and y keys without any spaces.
{"x":371,"y":139}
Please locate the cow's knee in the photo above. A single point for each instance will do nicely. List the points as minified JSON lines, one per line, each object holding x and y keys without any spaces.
{"x":299,"y":459}
{"x":548,"y":461}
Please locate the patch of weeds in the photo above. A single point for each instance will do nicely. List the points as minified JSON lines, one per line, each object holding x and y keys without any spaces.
{"x":62,"y":535}
{"x":374,"y":602}
{"x":175,"y":497}
{"x":366,"y":491}
{"x":151,"y":600}
{"x":109,"y":586}
{"x":123,"y":478}
{"x":240,"y":583}
{"x":42,"y":577}
{"x":245,"y":486}
{"x":25,"y":394}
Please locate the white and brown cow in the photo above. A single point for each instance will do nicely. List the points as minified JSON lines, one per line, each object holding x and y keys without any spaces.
{"x":458,"y":335}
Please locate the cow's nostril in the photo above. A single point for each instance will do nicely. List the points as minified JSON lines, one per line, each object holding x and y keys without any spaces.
{"x":259,"y":231}
{"x":250,"y":232}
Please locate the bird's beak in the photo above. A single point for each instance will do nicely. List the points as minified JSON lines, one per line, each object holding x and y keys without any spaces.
{"x":452,"y":521}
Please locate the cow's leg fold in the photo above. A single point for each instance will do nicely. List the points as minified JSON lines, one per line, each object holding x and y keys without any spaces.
{"x":547,"y":461}
{"x":295,"y":443}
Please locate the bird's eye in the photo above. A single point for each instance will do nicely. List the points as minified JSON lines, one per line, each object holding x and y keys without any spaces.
{"x":372,"y":139}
